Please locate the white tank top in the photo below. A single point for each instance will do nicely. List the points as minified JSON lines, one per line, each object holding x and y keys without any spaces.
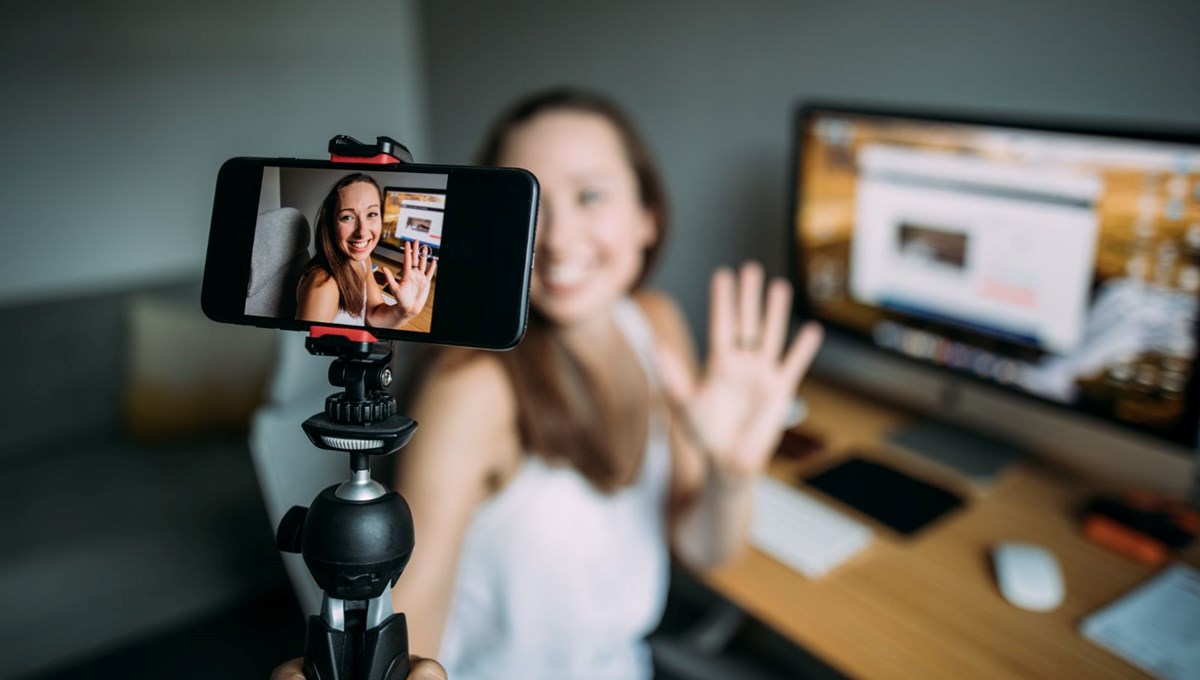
{"x":559,"y":581}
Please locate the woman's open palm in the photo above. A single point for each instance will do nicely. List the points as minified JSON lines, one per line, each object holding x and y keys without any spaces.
{"x":737,"y":406}
{"x":411,"y":290}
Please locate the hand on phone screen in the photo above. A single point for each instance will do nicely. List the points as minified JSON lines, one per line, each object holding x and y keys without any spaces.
{"x":411,"y":288}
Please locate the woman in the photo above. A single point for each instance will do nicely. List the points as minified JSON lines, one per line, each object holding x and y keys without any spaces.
{"x":336,"y":286}
{"x":548,"y":483}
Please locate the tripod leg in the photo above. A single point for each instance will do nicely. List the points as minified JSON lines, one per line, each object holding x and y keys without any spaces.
{"x":386,"y":649}
{"x":354,"y":644}
{"x":325,"y":652}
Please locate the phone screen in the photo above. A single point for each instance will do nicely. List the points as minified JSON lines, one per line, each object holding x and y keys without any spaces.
{"x":379,"y":231}
{"x":431,"y":253}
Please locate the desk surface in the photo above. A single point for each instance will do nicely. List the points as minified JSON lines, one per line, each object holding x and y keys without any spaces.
{"x":929,"y":606}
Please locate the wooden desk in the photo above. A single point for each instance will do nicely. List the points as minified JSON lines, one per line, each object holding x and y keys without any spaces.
{"x":929,"y":607}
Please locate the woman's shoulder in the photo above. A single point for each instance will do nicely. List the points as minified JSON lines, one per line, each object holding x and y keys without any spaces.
{"x":656,"y":303}
{"x":317,"y":286}
{"x":470,"y":379}
{"x":316,"y":277}
{"x":466,"y":403}
{"x":317,"y":295}
{"x":665,"y":316}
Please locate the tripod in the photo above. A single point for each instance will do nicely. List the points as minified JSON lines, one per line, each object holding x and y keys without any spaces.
{"x":356,"y":537}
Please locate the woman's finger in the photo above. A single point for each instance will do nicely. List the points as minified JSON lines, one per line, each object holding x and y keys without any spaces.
{"x":292,"y":670}
{"x":393,"y":285}
{"x":432,"y":269}
{"x":779,"y":312}
{"x":408,"y":255}
{"x":425,"y":669}
{"x":749,"y":330}
{"x":802,"y":352}
{"x":721,"y":322}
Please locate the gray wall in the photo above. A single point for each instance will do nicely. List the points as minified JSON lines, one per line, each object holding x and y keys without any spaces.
{"x":117,"y":115}
{"x":713,"y":84}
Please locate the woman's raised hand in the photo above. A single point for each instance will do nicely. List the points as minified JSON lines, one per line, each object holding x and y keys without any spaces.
{"x":411,"y":290}
{"x":735,"y":409}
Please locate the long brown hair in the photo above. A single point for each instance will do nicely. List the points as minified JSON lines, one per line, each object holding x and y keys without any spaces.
{"x":330,"y":257}
{"x":561,"y":415}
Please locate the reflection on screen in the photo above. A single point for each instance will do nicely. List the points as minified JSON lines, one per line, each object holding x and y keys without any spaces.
{"x":1064,"y":266}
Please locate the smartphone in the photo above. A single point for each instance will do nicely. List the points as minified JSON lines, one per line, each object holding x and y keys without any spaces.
{"x":426,"y":253}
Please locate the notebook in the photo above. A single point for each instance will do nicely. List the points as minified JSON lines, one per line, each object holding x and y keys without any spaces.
{"x":1156,"y":627}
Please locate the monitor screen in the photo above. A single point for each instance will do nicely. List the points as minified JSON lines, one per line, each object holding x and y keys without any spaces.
{"x":412,"y":215}
{"x":1060,"y":264}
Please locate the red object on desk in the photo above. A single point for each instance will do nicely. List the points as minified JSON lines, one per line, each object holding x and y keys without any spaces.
{"x":1144,"y":525}
{"x":1120,"y":538}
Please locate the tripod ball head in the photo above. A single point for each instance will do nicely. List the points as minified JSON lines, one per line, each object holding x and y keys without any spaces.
{"x":354,"y":550}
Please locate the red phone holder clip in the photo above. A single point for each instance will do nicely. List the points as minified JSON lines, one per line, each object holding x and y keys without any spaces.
{"x":350,"y":334}
{"x":385,"y":151}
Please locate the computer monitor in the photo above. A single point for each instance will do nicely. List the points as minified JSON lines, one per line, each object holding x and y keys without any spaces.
{"x":1037,"y":282}
{"x":412,"y":215}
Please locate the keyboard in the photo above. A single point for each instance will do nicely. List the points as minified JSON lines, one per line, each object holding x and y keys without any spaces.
{"x":801,"y":531}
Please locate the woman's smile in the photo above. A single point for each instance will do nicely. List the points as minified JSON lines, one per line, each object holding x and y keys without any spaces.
{"x":360,"y":246}
{"x":560,"y":277}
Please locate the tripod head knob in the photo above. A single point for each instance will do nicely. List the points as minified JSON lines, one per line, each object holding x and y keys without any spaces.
{"x":374,"y":408}
{"x":375,"y":375}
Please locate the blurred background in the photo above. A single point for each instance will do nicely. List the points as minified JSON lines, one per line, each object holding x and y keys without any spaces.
{"x":131,"y":505}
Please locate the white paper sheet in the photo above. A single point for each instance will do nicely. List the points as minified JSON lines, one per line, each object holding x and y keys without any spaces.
{"x":1156,"y":627}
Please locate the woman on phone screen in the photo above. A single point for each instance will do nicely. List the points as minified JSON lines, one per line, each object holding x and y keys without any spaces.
{"x":337,"y":285}
{"x":549,"y":483}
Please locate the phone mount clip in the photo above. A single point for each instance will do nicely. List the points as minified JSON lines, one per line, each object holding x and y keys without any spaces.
{"x":385,"y":151}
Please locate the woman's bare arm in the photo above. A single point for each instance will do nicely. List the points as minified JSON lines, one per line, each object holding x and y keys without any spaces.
{"x":689,"y":472}
{"x":467,"y":432}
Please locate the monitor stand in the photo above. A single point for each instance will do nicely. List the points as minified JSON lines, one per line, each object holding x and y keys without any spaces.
{"x":977,"y":456}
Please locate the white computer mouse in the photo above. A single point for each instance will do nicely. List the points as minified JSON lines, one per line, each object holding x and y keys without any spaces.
{"x":1028,"y":576}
